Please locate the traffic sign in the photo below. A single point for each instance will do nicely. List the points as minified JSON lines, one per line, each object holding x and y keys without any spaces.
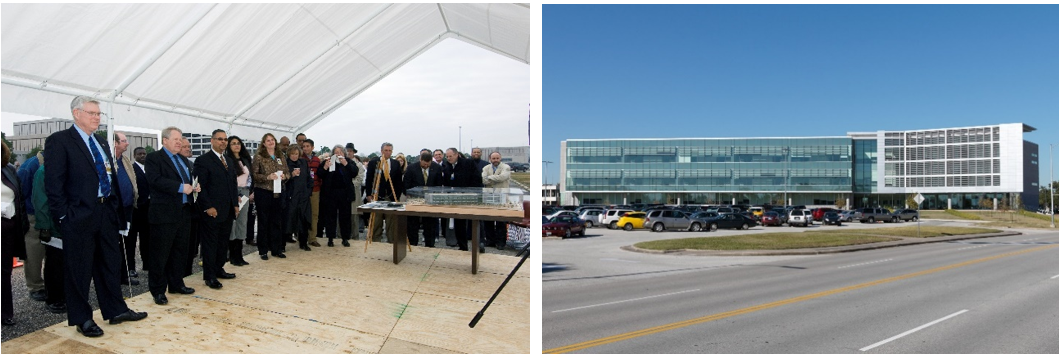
{"x":919,"y":198}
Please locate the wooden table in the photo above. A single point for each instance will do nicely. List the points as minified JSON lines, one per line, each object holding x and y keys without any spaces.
{"x":474,"y":214}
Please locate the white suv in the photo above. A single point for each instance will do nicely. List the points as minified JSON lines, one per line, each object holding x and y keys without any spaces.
{"x":608,"y":218}
{"x":800,"y":216}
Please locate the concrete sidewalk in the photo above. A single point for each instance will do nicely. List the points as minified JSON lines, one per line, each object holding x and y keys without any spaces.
{"x":901,"y":241}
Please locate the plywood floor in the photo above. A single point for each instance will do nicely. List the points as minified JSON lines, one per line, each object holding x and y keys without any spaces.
{"x":329,"y":300}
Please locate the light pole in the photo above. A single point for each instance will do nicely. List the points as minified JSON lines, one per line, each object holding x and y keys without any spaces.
{"x":459,"y":138}
{"x":786,"y":178}
{"x":545,"y":165}
{"x":1051,"y":190}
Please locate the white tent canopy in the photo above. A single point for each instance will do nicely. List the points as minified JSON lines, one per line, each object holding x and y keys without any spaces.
{"x":265,"y":67}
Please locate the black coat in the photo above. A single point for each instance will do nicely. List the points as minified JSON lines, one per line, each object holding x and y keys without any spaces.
{"x":142,"y":187}
{"x":217,"y":186}
{"x":414,"y":177}
{"x":297,"y":196}
{"x":72,"y":171}
{"x":164,"y":181}
{"x":15,"y":229}
{"x":337,"y":184}
{"x":462,"y":174}
{"x":384,"y":188}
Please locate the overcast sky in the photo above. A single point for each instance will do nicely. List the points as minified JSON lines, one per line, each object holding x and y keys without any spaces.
{"x":423,"y":103}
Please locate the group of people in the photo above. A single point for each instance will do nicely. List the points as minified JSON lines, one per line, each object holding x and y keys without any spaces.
{"x":81,"y":218}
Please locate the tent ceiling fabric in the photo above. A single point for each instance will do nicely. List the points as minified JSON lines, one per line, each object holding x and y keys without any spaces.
{"x":279,"y":67}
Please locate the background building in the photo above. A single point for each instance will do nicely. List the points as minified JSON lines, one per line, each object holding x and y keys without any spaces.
{"x":201,"y":143}
{"x":28,"y":135}
{"x":955,"y":167}
{"x":510,"y":154}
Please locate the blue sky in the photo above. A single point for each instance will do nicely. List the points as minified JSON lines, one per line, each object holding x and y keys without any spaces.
{"x":648,"y":71}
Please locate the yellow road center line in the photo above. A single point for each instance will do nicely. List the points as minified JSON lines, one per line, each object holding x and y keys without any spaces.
{"x":723,"y":315}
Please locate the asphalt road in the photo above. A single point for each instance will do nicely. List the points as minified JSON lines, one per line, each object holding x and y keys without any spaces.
{"x":991,"y":295}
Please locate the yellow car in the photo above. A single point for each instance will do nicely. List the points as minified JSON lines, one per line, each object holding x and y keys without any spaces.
{"x":757,"y":211}
{"x":632,"y":220}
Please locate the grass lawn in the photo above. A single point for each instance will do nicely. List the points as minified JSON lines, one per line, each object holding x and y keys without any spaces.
{"x":763,"y":241}
{"x":996,"y":218}
{"x":522,"y":177}
{"x":927,"y":231}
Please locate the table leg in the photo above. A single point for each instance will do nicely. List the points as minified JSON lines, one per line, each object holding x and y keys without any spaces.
{"x":398,"y":239}
{"x":475,"y":247}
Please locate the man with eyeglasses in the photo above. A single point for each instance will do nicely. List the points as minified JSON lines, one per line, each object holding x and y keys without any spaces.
{"x":217,"y":207}
{"x":170,"y":177}
{"x":83,"y":193}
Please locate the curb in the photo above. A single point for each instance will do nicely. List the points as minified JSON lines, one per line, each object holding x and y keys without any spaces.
{"x":817,"y":251}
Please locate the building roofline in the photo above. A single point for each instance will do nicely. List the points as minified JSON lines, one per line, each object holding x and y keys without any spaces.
{"x":747,"y":138}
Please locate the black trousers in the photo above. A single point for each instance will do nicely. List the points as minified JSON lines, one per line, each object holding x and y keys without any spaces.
{"x":168,"y":253}
{"x":270,"y":216}
{"x":214,"y":240}
{"x":463,"y":232}
{"x":53,"y":275}
{"x":92,"y":256}
{"x":496,"y":233}
{"x":9,"y":256}
{"x":430,"y":226}
{"x":139,"y":229}
{"x":334,"y":210}
{"x":193,"y":243}
{"x":251,"y":221}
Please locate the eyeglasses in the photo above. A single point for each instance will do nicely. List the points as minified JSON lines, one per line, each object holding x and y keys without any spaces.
{"x":95,"y":114}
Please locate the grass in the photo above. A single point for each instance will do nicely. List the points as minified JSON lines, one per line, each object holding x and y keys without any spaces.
{"x":523,"y":177}
{"x":927,"y":232}
{"x":1009,"y":219}
{"x":763,"y":241}
{"x":963,"y":215}
{"x":927,"y":214}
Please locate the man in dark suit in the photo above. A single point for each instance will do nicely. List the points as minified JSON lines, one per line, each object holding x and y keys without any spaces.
{"x":385,"y":184}
{"x":426,"y":173}
{"x":461,"y":172}
{"x":170,"y":177}
{"x":82,"y":195}
{"x":218,"y":205}
{"x":138,"y":228}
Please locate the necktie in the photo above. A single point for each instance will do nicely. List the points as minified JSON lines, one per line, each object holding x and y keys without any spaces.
{"x":181,"y":170}
{"x":425,"y":172}
{"x":101,"y":169}
{"x":223,"y":163}
{"x":387,"y":171}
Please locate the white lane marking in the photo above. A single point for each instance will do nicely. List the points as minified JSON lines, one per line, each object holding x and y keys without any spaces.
{"x":856,"y":265}
{"x":622,"y":301}
{"x":974,"y":247}
{"x":1057,"y":275}
{"x":619,"y":260}
{"x":931,"y":323}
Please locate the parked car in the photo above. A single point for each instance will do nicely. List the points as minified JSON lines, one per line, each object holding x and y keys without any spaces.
{"x":632,"y":220}
{"x":590,"y":216}
{"x":563,"y":214}
{"x":846,"y":215}
{"x":832,"y":218}
{"x":661,"y":220}
{"x":548,"y":210}
{"x":801,"y":217}
{"x":609,"y":218}
{"x":564,"y":227}
{"x":817,"y":213}
{"x":770,"y":218}
{"x":784,"y":214}
{"x":870,"y":215}
{"x":748,"y":214}
{"x":907,"y":215}
{"x":757,"y":211}
{"x":728,"y":220}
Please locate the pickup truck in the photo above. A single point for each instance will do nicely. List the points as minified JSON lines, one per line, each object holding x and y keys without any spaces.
{"x":870,"y":215}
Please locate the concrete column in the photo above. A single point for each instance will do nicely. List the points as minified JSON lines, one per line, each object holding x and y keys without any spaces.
{"x":790,"y":201}
{"x":625,"y":200}
{"x":732,"y":201}
{"x":846,"y":203}
{"x":950,"y":203}
{"x":678,"y":201}
{"x":994,"y":203}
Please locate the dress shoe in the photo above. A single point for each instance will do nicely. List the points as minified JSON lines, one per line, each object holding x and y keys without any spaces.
{"x":9,"y":322}
{"x":128,"y":316}
{"x":280,"y":255}
{"x":501,"y":247}
{"x":90,"y":329}
{"x":160,"y":299}
{"x":345,"y":243}
{"x":39,"y":295}
{"x":243,"y":262}
{"x":224,"y":275}
{"x":56,"y":308}
{"x":184,"y":290}
{"x":283,"y":249}
{"x":250,"y":242}
{"x":235,"y":262}
{"x":133,"y":274}
{"x":305,"y":247}
{"x":483,"y":250}
{"x":330,"y":243}
{"x":131,"y":281}
{"x":213,"y":284}
{"x":263,"y":256}
{"x":315,"y":244}
{"x":290,"y":240}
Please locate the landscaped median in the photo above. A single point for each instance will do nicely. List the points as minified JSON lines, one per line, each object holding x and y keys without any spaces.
{"x":807,"y":240}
